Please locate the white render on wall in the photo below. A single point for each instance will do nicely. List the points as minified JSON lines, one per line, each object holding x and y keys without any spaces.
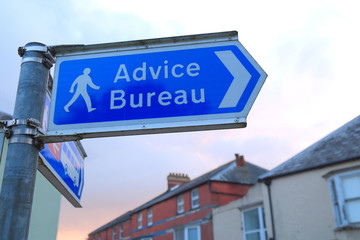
{"x":227,"y":221}
{"x":302,"y":208}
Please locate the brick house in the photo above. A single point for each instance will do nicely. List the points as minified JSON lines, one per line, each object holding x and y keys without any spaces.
{"x":183,"y":212}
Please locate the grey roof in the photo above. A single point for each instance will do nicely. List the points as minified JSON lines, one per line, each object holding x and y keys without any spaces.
{"x":123,"y":218}
{"x":225,"y":173}
{"x":228,"y":172}
{"x":339,"y":146}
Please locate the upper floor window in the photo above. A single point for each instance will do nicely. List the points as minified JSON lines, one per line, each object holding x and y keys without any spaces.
{"x":345,"y":194}
{"x":149,"y":216}
{"x":180,"y":204}
{"x":254,"y":224}
{"x":113,"y":234}
{"x":195,"y":198}
{"x":139,"y":220}
{"x":121,"y":232}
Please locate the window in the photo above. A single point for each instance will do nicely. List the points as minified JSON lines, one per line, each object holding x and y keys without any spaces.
{"x":180,"y":204}
{"x":254,"y":224}
{"x":187,"y":233}
{"x":139,"y":220}
{"x":345,"y":194}
{"x":149,"y":216}
{"x":113,"y":234}
{"x":195,"y":198}
{"x":192,"y":233}
{"x":121,"y":232}
{"x":179,"y":234}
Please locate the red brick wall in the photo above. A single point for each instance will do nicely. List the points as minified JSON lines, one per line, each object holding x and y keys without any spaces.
{"x":104,"y":235}
{"x":229,"y":188}
{"x":167,"y":236}
{"x":127,"y":228}
{"x":224,"y":193}
{"x":213,"y":193}
{"x":164,"y":210}
{"x":207,"y":231}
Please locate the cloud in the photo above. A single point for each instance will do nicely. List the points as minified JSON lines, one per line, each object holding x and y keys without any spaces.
{"x":309,"y":50}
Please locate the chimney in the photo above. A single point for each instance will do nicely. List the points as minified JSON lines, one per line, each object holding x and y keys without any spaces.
{"x":240,"y":160}
{"x":174,"y":179}
{"x":242,"y":172}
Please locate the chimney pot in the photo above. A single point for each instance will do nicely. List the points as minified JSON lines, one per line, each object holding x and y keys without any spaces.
{"x":240,"y":160}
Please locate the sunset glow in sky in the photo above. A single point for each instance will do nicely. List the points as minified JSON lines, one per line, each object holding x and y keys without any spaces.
{"x":309,"y":49}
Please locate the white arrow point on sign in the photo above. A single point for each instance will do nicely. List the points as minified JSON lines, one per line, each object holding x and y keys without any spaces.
{"x":240,"y":81}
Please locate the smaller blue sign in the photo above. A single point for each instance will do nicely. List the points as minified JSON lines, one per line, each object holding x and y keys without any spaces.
{"x":67,"y":164}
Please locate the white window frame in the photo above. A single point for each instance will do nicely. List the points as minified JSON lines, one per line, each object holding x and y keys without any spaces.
{"x":186,"y":231}
{"x":139,"y":220}
{"x":180,"y":203}
{"x":121,"y":232}
{"x":195,"y":200}
{"x":339,"y":200}
{"x":113,"y":233}
{"x":262,"y":229}
{"x":149,"y":217}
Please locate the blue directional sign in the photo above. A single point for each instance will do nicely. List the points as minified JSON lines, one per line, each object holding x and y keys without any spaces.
{"x":202,"y":84}
{"x":66,"y":164}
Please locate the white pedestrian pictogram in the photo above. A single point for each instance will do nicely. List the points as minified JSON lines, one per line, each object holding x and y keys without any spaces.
{"x":81,"y":83}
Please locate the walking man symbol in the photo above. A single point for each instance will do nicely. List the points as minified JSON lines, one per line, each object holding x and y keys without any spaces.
{"x":82,"y":82}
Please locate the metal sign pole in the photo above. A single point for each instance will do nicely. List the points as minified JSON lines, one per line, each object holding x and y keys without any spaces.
{"x":21,"y":163}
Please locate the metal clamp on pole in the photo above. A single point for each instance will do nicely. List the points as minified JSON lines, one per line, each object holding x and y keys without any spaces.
{"x":4,"y":125}
{"x":48,"y":61}
{"x":24,"y":135}
{"x":32,"y":122}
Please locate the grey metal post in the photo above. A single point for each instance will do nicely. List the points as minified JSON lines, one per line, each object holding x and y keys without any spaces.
{"x":21,"y":163}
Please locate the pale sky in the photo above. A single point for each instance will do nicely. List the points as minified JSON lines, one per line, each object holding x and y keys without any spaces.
{"x":309,"y":49}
